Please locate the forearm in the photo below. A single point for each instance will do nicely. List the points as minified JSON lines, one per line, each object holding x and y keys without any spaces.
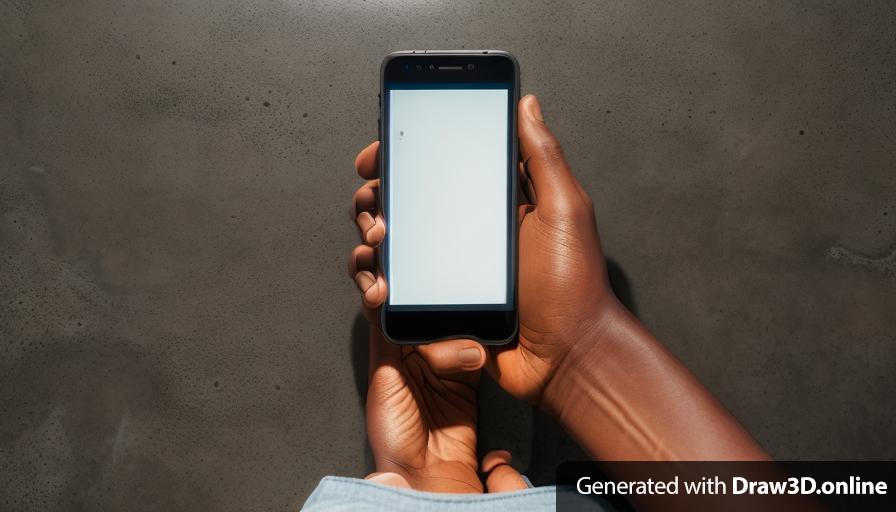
{"x":623,"y":396}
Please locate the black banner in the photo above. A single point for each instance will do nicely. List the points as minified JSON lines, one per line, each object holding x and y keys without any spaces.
{"x":729,"y":486}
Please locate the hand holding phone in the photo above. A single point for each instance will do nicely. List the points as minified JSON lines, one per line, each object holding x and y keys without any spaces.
{"x":563,"y":293}
{"x":580,"y":355}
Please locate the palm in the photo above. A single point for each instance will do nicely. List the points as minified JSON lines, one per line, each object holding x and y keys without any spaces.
{"x":422,"y":425}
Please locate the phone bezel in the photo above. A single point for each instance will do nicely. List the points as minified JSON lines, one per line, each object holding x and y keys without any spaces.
{"x":426,"y":324}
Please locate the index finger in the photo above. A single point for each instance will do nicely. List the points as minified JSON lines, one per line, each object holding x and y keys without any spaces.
{"x":367,"y":161}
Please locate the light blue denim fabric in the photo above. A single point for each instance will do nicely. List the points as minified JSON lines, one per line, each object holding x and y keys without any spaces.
{"x":338,"y":494}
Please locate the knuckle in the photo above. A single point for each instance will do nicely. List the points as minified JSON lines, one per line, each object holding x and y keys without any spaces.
{"x":552,"y":151}
{"x":354,"y":208}
{"x":352,"y":265}
{"x":355,"y":257}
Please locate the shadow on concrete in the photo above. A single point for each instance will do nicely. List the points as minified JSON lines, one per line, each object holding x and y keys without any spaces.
{"x":621,"y":285}
{"x":360,"y":355}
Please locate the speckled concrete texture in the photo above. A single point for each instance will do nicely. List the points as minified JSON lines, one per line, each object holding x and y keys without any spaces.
{"x":177,"y":331}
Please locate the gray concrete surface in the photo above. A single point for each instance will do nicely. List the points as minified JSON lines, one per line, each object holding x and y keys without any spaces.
{"x":176,"y":328}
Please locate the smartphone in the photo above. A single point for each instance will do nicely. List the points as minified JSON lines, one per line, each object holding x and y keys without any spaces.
{"x":448,"y":186}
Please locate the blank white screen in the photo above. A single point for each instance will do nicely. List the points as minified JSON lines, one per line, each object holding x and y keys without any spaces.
{"x":448,"y":196}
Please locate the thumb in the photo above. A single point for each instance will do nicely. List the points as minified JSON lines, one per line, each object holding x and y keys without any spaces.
{"x":453,"y":356}
{"x":543,"y":160}
{"x":501,"y":475}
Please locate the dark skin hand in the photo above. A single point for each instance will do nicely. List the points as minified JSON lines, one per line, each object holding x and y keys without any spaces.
{"x":421,"y":416}
{"x":580,"y":355}
{"x":421,"y":401}
{"x":563,"y":287}
{"x":421,"y":420}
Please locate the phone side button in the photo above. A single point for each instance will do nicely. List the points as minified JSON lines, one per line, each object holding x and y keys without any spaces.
{"x":379,"y":130}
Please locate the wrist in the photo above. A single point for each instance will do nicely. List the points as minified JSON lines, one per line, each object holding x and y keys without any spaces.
{"x":577,"y":373}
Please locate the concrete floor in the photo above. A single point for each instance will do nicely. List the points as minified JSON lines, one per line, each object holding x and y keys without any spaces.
{"x":176,"y":328}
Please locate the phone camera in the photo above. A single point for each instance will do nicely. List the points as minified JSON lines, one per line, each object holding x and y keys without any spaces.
{"x":470,"y":67}
{"x":407,"y":67}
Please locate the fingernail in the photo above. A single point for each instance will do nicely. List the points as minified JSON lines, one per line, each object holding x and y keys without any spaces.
{"x":534,"y":109}
{"x":469,"y":355}
{"x":364,"y":280}
{"x":365,"y":222}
